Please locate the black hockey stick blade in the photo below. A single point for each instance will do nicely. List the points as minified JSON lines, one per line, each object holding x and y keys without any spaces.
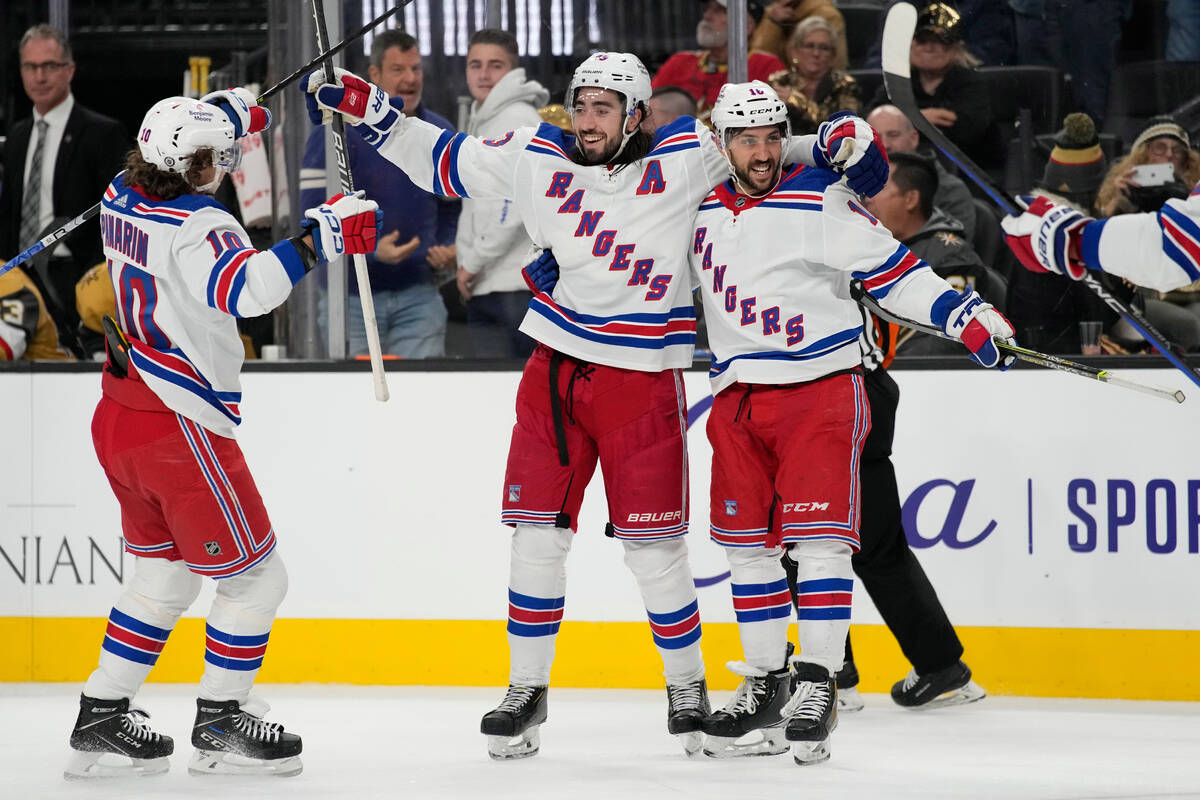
{"x":898,"y":31}
{"x":860,"y":295}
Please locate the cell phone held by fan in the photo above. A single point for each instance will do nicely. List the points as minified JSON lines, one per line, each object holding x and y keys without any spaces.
{"x":1153,"y":174}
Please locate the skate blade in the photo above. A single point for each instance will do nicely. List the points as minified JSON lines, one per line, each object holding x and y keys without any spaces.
{"x":849,"y":700}
{"x":770,"y":743}
{"x":693,"y":743}
{"x":510,"y":748}
{"x":85,"y":766}
{"x":808,"y":753}
{"x":208,"y":762}
{"x":969,"y":693}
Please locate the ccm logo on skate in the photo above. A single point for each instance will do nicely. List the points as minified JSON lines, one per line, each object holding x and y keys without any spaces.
{"x":657,"y":516}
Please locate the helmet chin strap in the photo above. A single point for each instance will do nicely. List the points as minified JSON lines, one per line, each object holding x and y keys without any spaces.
{"x":212,"y":185}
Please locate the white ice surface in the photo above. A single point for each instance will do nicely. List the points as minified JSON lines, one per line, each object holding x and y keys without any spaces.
{"x":364,"y":742}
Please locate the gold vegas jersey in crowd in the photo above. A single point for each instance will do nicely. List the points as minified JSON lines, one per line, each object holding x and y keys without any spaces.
{"x":26,"y":330}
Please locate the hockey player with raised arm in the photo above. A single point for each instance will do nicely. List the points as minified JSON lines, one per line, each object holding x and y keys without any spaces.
{"x":1158,"y":249}
{"x":614,"y":326}
{"x":183,"y":271}
{"x":774,"y":249}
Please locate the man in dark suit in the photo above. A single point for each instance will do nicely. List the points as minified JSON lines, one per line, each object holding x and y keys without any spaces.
{"x":76,"y":152}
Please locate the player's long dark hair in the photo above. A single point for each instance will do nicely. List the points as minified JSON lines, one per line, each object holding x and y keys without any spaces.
{"x":165,"y":185}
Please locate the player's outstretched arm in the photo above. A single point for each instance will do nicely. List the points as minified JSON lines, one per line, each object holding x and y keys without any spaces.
{"x":442,"y":162}
{"x":1160,"y":249}
{"x":226,"y":273}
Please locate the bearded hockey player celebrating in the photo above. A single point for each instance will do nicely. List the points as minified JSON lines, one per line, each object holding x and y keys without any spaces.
{"x":182,"y":272}
{"x":615,"y":204}
{"x":775,"y":249}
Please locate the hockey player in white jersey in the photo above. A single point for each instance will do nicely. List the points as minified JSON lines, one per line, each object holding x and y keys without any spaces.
{"x":182,"y":271}
{"x":615,"y":204}
{"x":774,"y":250}
{"x":1160,"y":249}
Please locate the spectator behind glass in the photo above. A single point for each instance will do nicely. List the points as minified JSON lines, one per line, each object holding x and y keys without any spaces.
{"x":1045,"y":308}
{"x":905,"y":207}
{"x":810,"y":86}
{"x":899,"y":136}
{"x":418,"y":228}
{"x":492,"y":245}
{"x":779,"y":20}
{"x":987,"y":31}
{"x":80,"y":152}
{"x":667,"y":104}
{"x":949,"y":92}
{"x":1080,"y":37}
{"x":1162,"y":142}
{"x":702,"y":73}
{"x":1125,"y":192}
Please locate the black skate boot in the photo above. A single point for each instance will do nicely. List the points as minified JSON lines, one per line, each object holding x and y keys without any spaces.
{"x":232,"y":739}
{"x":849,"y":700}
{"x":112,"y":740}
{"x":811,"y":713}
{"x":756,"y":706}
{"x":687,"y":706}
{"x":512,"y":727}
{"x":951,"y":686}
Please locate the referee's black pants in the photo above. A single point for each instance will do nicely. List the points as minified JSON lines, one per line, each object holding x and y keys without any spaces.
{"x":885,"y":565}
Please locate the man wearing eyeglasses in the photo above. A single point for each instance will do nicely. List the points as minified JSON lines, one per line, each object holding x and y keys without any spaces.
{"x":56,"y":166}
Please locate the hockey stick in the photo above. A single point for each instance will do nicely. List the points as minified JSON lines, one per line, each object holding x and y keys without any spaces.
{"x":338,"y":124}
{"x":60,"y":233}
{"x":897,"y":78}
{"x":861,"y":295}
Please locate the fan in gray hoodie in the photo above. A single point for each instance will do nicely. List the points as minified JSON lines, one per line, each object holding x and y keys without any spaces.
{"x":491,"y":244}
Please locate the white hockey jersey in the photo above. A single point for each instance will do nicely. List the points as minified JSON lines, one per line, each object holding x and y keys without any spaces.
{"x":775,"y":275}
{"x":182,"y":270}
{"x":1160,"y":249}
{"x":620,"y":235}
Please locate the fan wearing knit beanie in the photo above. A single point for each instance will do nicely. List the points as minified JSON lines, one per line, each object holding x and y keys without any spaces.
{"x":1163,"y":141}
{"x":1077,"y":164}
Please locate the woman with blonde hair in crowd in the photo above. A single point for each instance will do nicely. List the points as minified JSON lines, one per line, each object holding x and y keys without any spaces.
{"x":811,"y":87}
{"x":946,"y":86}
{"x":1162,"y":142}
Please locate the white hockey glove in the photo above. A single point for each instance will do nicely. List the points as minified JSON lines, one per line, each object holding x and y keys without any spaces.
{"x":343,"y":224}
{"x":975,"y":323}
{"x":242,"y":108}
{"x":1042,"y":238}
{"x":363,"y":104}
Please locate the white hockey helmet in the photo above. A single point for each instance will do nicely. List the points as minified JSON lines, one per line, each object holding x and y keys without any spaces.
{"x":748,"y":105}
{"x":623,"y":73}
{"x":175,"y":128}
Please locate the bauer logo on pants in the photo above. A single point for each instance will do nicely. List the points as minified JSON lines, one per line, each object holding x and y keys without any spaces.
{"x":212,"y":548}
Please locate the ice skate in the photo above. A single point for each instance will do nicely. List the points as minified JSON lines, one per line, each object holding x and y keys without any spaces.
{"x":512,"y":727}
{"x":687,"y":706}
{"x":849,"y":700}
{"x":111,"y":740}
{"x":756,"y":706}
{"x":811,"y":714}
{"x":231,"y":739}
{"x":951,"y":686}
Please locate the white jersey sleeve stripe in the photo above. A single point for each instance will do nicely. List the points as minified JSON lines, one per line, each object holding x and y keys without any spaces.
{"x":882,"y":280}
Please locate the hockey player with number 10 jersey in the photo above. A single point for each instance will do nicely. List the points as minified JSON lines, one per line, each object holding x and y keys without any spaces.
{"x":775,"y":249}
{"x":615,"y":205}
{"x":182,"y":270}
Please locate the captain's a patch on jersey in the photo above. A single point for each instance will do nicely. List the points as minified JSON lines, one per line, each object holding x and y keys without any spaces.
{"x":857,"y":209}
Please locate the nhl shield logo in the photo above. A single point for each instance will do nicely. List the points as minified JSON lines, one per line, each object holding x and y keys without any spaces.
{"x":514,"y":493}
{"x":731,"y":508}
{"x":212,"y":548}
